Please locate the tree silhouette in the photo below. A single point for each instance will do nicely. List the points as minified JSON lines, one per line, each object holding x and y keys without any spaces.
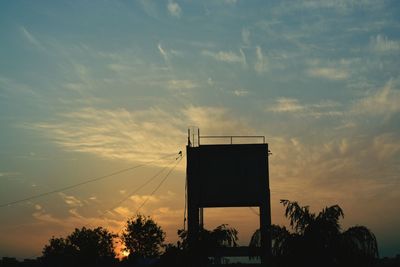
{"x":221,"y":236}
{"x":317,"y":240}
{"x":143,"y":238}
{"x":207,"y":246}
{"x":83,"y":247}
{"x":95,"y":246}
{"x":58,"y":253}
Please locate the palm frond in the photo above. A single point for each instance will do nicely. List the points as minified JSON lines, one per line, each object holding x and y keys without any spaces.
{"x":300,"y":217}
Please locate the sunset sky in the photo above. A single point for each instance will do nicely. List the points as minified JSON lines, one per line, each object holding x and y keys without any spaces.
{"x":88,"y":88}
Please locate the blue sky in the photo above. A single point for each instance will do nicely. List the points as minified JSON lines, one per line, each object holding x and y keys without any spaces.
{"x":87,"y":88}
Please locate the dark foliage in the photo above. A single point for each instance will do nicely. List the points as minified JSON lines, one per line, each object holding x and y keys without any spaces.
{"x":84,"y":247}
{"x":209,"y":242}
{"x":317,"y":240}
{"x":143,"y":238}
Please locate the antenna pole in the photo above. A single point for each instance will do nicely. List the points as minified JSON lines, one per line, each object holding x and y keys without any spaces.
{"x":188,"y":136}
{"x":198,"y":136}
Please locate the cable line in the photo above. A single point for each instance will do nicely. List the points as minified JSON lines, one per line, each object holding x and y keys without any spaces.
{"x":138,"y":189}
{"x":159,"y":185}
{"x":185,"y":207}
{"x":81,"y":183}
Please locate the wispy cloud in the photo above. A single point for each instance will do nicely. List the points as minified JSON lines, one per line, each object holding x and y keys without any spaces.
{"x":124,"y":211}
{"x":384,"y":101}
{"x":227,"y":56}
{"x":261,"y":63}
{"x":174,"y":9}
{"x":13,"y":87}
{"x":246,"y":36}
{"x":142,"y":135}
{"x":230,"y":2}
{"x":286,"y":105}
{"x":335,"y":167}
{"x":150,"y":8}
{"x":328,"y":73}
{"x":117,"y":67}
{"x":317,"y":110}
{"x":9,"y":174}
{"x":216,"y":121}
{"x":162,"y":51}
{"x":167,"y":54}
{"x":382,"y":43}
{"x":139,"y":199}
{"x":387,"y":147}
{"x":118,"y":134}
{"x":339,"y":5}
{"x":30,"y":37}
{"x":76,"y":216}
{"x":240,"y":92}
{"x":71,"y":200}
{"x":181,"y":84}
{"x":76,"y":219}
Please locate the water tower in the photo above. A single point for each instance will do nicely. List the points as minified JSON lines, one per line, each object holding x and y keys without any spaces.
{"x":228,"y":171}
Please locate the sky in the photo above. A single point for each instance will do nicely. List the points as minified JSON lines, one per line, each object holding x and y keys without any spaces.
{"x":88,"y":88}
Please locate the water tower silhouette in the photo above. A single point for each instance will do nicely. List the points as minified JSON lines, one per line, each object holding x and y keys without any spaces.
{"x":230,"y":171}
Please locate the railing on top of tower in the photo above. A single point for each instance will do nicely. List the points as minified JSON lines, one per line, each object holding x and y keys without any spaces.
{"x":229,"y":139}
{"x":194,"y":138}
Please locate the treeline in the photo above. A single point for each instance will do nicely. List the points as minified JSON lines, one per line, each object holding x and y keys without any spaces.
{"x":314,"y":240}
{"x":142,"y":241}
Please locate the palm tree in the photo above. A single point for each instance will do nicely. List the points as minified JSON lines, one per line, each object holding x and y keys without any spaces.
{"x":317,"y":240}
